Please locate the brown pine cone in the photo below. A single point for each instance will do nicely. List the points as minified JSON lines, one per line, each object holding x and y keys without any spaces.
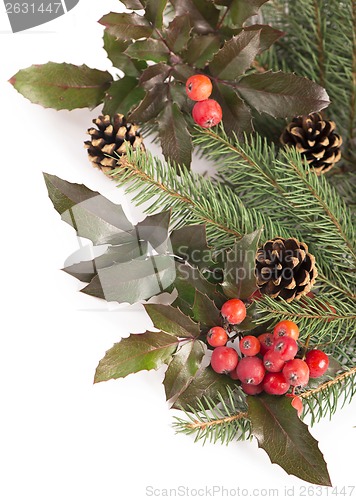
{"x":284,"y":268}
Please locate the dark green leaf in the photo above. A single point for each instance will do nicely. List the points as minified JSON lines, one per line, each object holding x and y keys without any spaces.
{"x":236,"y":55}
{"x":127,"y":26}
{"x":122,"y":96}
{"x":241,"y":10}
{"x":176,"y":141}
{"x":178,"y":32}
{"x":237,"y":117}
{"x":172,"y":321}
{"x":201,"y":50}
{"x":134,"y":4}
{"x":91,"y":215}
{"x":182,"y":72}
{"x":145,"y":351}
{"x":203,"y":14}
{"x":115,"y":49}
{"x":154,"y":12}
{"x":282,"y":95}
{"x":239,"y":271}
{"x":154,"y":229}
{"x":148,"y":50}
{"x":154,"y":75}
{"x":190,"y":244}
{"x":152,"y":104}
{"x":183,"y":368}
{"x":133,"y":281}
{"x":62,"y":86}
{"x":205,"y":311}
{"x":205,"y":383}
{"x":268,"y":35}
{"x":286,"y":439}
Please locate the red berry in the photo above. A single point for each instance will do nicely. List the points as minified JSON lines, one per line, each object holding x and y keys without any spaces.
{"x":273,"y":362}
{"x":217,"y":336}
{"x":252,"y":390}
{"x":250,"y":370}
{"x":198,"y":87}
{"x":318,"y":362}
{"x":286,"y":347}
{"x":275,"y":383}
{"x":297,"y":403}
{"x":250,"y":345}
{"x":266,"y":341}
{"x":224,"y":359}
{"x":296,"y":372}
{"x":287,"y":328}
{"x":234,"y":311}
{"x":207,"y":113}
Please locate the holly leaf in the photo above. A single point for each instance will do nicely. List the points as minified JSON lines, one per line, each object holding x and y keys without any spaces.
{"x":203,"y":14}
{"x":286,"y":439}
{"x":205,"y":311}
{"x":175,"y":138}
{"x":92,"y":215}
{"x":282,"y":95}
{"x":172,"y":321}
{"x":133,"y":281}
{"x":154,"y":11}
{"x":241,"y":10}
{"x":148,"y":50}
{"x":154,"y":229}
{"x":183,"y":368}
{"x":236,"y":55}
{"x":206,"y":383}
{"x":178,"y":33}
{"x":134,"y":4}
{"x":190,"y":243}
{"x":239,"y":277}
{"x":201,"y":49}
{"x":127,"y":26}
{"x":154,"y":75}
{"x":122,"y":96}
{"x":62,"y":86}
{"x":237,"y":116}
{"x":145,"y":351}
{"x":151,"y":105}
{"x":268,"y":35}
{"x":115,"y":49}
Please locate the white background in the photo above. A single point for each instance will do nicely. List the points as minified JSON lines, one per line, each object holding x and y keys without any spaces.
{"x":61,"y":437}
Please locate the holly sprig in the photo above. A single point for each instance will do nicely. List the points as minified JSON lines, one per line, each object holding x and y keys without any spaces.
{"x":157,"y":45}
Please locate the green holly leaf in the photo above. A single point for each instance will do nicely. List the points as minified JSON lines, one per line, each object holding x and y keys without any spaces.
{"x":127,"y":26}
{"x":239,"y":276}
{"x":92,"y":215}
{"x":148,"y":50}
{"x":115,"y":49}
{"x":237,"y":117}
{"x":241,"y":10}
{"x":62,"y":86}
{"x":282,"y":95}
{"x":205,"y":383}
{"x":190,"y":243}
{"x":175,"y":138}
{"x":145,"y":351}
{"x":154,"y":75}
{"x":133,"y":281}
{"x":173,"y":321}
{"x":205,"y":311}
{"x":122,"y":96}
{"x":203,"y":14}
{"x":268,"y":35}
{"x":183,"y":368}
{"x":286,"y":439}
{"x":151,"y":105}
{"x":201,"y":49}
{"x":236,"y":55}
{"x":178,"y":33}
{"x":154,"y":229}
{"x":154,"y":11}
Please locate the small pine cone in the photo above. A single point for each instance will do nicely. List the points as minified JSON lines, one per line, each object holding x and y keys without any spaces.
{"x":107,"y":143}
{"x":284,"y":268}
{"x":315,"y":139}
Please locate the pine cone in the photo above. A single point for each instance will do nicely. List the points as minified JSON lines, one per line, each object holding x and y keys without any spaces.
{"x":284,"y":268}
{"x":315,"y":139}
{"x":109,"y":139}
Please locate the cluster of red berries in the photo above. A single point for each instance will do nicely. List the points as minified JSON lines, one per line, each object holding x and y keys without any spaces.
{"x":206,"y":112}
{"x":268,"y":362}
